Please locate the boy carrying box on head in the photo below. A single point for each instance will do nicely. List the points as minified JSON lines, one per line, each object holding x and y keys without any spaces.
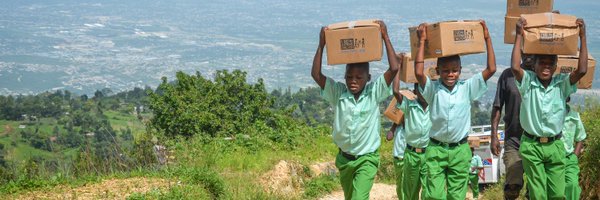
{"x":542,"y":116}
{"x":356,"y":125}
{"x":416,"y":136}
{"x":397,"y":133}
{"x":573,"y":132}
{"x":449,"y":99}
{"x":416,"y":126}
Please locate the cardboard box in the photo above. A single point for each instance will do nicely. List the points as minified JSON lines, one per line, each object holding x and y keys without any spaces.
{"x":394,"y":114}
{"x":517,"y":7}
{"x":353,"y":42}
{"x":473,"y":141}
{"x":450,"y":38}
{"x":510,"y":26}
{"x":549,"y":33}
{"x":407,"y":73}
{"x":569,"y":63}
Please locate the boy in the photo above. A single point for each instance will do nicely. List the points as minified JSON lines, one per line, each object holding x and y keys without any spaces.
{"x":416,"y":130}
{"x":476,"y":167}
{"x":417,"y":125}
{"x":399,"y":139}
{"x":573,"y":132}
{"x":447,"y":157}
{"x":507,"y":96}
{"x":542,"y":116}
{"x":356,"y":125}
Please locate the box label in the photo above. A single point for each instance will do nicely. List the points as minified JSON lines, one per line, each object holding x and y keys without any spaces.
{"x":566,"y":69}
{"x":528,"y":3}
{"x":551,"y":37}
{"x":352,"y":43}
{"x":463,"y":35}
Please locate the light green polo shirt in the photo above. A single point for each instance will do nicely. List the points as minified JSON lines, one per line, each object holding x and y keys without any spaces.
{"x":416,"y":123}
{"x":450,"y":111}
{"x":476,"y":163}
{"x":356,"y":124}
{"x":399,"y":142}
{"x":543,"y":109}
{"x":573,"y":131}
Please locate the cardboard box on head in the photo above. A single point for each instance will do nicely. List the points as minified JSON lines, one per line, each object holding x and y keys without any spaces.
{"x":353,"y":42}
{"x":570,"y":63}
{"x":550,"y":33}
{"x":407,"y":73}
{"x":450,"y":38}
{"x":517,"y":7}
{"x":510,"y":24}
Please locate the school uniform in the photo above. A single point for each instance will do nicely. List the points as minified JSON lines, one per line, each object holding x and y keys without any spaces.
{"x":573,"y":131}
{"x":447,"y":156}
{"x":542,"y":118}
{"x":356,"y":132}
{"x":416,"y":126}
{"x":476,"y":164}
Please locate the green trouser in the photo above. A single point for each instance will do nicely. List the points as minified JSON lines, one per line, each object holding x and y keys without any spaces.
{"x":357,"y":176}
{"x":447,"y":167}
{"x":544,"y":166}
{"x":398,"y":166}
{"x":414,"y":175}
{"x":474,"y":183}
{"x":572,"y":189}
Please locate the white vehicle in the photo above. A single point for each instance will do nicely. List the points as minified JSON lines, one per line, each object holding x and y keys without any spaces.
{"x":492,"y":165}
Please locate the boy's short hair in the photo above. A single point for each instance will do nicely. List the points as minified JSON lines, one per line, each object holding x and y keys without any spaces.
{"x":443,"y":60}
{"x":537,"y":58}
{"x":363,"y":65}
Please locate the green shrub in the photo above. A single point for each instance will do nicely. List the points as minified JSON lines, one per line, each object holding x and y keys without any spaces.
{"x":590,"y":160}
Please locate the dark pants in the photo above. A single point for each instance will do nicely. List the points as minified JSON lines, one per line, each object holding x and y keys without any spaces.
{"x":514,"y":172}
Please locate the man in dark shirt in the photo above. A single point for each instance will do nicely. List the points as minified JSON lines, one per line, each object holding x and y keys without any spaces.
{"x":508,"y":94}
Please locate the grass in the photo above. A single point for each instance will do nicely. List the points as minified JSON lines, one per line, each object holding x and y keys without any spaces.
{"x":119,"y":120}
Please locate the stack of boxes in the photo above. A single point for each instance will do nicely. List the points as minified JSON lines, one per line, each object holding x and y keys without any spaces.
{"x":514,"y":9}
{"x":548,"y":33}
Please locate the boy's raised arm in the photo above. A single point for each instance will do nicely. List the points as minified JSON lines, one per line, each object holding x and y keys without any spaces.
{"x":583,"y":55}
{"x":491,"y":56}
{"x":396,"y":86}
{"x":516,"y":52}
{"x":391,"y":54}
{"x":317,"y":61}
{"x":420,"y":57}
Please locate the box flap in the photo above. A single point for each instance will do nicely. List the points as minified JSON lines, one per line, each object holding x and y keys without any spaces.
{"x":352,"y":24}
{"x":549,"y":19}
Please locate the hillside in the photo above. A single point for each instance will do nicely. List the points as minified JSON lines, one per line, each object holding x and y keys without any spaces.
{"x":219,"y":138}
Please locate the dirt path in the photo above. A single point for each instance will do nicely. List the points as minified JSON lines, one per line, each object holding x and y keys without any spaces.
{"x":380,"y":191}
{"x":107,"y":189}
